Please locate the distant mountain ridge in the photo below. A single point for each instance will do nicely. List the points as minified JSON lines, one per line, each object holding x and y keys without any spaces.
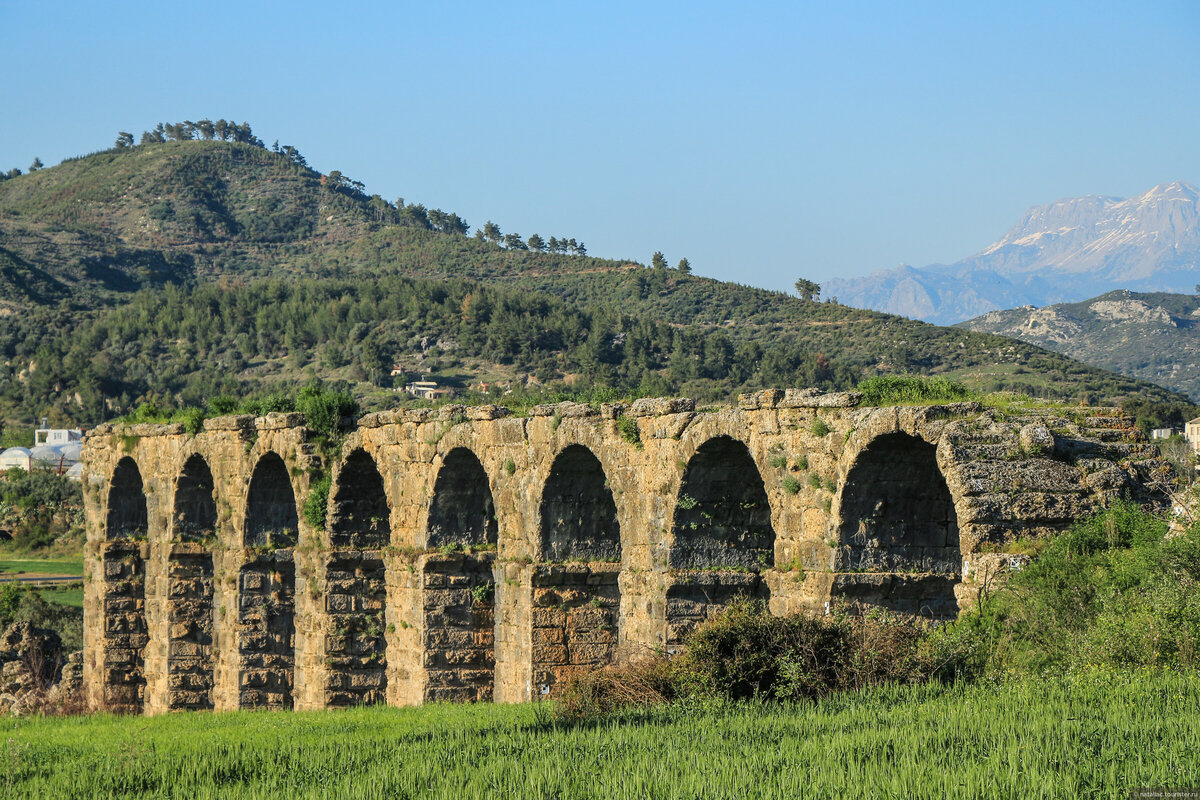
{"x":1152,"y":336}
{"x":1059,"y":252}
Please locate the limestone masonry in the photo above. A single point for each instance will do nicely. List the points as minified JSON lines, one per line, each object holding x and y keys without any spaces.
{"x":468,"y":554}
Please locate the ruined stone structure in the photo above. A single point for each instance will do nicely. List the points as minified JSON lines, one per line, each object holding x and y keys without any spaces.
{"x":468,"y":554}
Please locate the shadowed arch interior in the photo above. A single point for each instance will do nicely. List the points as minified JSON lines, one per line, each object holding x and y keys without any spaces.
{"x":579,"y":516}
{"x":271,"y":505}
{"x":722,"y":516}
{"x":898,"y":516}
{"x":127,"y":517}
{"x":462,"y":511}
{"x":195,"y":508}
{"x":360,"y":518}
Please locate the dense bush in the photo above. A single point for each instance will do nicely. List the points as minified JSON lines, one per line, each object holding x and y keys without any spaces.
{"x":19,"y":603}
{"x":746,"y":653}
{"x":1114,"y":590}
{"x":39,"y":508}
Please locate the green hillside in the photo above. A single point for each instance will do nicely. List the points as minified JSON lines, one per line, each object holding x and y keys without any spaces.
{"x":179,"y":270}
{"x":1153,"y":336}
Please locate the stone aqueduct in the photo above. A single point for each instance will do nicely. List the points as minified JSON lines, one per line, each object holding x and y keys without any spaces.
{"x":469,"y":554}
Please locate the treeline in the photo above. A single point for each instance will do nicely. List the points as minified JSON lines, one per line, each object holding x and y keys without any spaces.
{"x":183,"y":346}
{"x":206,"y":129}
{"x":491,"y":233}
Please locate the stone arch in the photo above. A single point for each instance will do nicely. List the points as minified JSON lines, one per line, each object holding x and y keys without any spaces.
{"x":578,"y":513}
{"x":360,"y":518}
{"x":461,"y":511}
{"x":722,"y":514}
{"x":127,"y":518}
{"x":722,"y":536}
{"x":271,"y":517}
{"x":195,"y":507}
{"x":897,"y":518}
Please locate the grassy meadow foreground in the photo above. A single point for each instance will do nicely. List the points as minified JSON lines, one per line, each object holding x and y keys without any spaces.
{"x":1095,"y":733}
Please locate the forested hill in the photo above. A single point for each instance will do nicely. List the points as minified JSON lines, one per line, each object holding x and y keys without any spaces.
{"x":182,"y":269}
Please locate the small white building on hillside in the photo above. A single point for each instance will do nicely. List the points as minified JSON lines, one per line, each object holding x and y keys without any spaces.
{"x":56,"y":436}
{"x":1191,"y":432}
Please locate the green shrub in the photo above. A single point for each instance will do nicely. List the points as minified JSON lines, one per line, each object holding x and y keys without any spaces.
{"x":323,"y":409}
{"x":886,"y":390}
{"x":192,"y":419}
{"x":222,"y":405}
{"x":818,"y":427}
{"x":1112,"y":590}
{"x":790,"y":484}
{"x":316,"y":505}
{"x":745,"y":652}
{"x":627,"y":429}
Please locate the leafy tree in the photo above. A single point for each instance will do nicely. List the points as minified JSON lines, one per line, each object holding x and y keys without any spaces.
{"x":513,"y":241}
{"x":36,"y":165}
{"x":124,"y":139}
{"x":491,"y":232}
{"x":536,"y":242}
{"x":684,"y":266}
{"x":808,"y":290}
{"x":658,"y":260}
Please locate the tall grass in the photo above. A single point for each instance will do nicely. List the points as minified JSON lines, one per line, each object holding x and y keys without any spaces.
{"x":1092,"y":734}
{"x":886,"y":390}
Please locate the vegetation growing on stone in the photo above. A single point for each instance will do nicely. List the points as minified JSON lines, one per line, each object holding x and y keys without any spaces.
{"x":885,"y":390}
{"x":316,"y":505}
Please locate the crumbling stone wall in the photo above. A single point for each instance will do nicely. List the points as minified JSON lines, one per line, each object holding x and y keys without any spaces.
{"x":468,"y":554}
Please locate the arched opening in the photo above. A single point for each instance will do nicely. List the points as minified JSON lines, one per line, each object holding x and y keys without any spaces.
{"x":126,"y":503}
{"x":124,"y":575}
{"x":190,"y":669}
{"x":195,"y":507}
{"x":579,"y":517}
{"x":360,"y":516}
{"x":271,"y":517}
{"x":722,"y":516}
{"x":461,"y":512}
{"x":459,"y":630}
{"x":576,"y":604}
{"x":266,"y":590}
{"x":898,"y":518}
{"x":722,"y":535}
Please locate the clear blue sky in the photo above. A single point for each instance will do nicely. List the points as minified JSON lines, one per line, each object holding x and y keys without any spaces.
{"x":764,"y":141}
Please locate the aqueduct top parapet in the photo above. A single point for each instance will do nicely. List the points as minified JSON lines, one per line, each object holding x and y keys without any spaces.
{"x":467,"y":551}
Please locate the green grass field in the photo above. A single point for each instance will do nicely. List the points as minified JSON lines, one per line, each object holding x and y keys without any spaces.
{"x":53,"y":566}
{"x":1094,"y":735}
